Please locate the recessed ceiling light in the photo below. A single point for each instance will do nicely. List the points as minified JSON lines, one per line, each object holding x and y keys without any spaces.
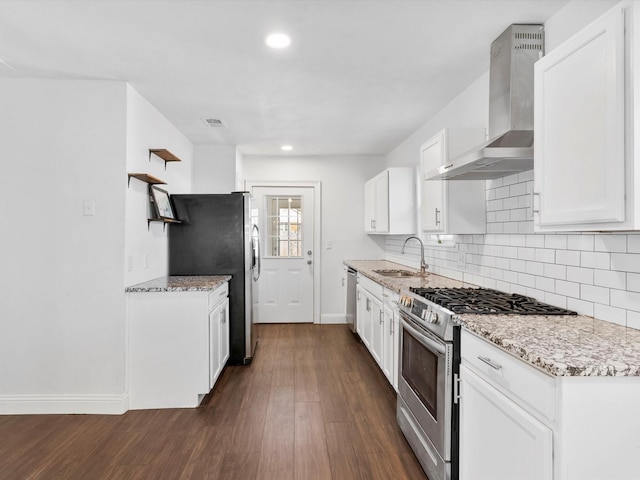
{"x":277,"y":40}
{"x":286,"y":148}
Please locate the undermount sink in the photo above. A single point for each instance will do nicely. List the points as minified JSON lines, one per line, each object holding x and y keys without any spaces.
{"x":397,"y":273}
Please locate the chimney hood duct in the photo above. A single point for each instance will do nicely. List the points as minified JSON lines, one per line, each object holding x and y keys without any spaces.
{"x":510,"y":148}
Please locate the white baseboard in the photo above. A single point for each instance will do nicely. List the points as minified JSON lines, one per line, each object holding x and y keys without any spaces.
{"x":64,"y":404}
{"x":331,"y":318}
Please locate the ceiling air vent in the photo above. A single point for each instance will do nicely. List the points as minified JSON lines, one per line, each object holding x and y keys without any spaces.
{"x":214,"y":122}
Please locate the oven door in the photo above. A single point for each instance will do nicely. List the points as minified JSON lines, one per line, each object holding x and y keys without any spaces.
{"x":425,"y":383}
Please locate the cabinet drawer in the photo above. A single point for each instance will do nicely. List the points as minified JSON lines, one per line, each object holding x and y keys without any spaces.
{"x":512,"y":376}
{"x":373,"y":287}
{"x":218,"y":295}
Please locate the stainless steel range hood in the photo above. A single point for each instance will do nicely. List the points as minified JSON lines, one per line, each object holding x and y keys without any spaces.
{"x":510,"y":148}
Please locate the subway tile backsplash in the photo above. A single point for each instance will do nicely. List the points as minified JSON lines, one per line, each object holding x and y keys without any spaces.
{"x":596,"y":274}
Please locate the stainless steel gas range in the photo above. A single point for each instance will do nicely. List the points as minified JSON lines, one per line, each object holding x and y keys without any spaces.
{"x":428,"y":383}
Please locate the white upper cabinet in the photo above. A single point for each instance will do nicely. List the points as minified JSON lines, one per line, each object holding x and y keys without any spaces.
{"x":451,"y":206}
{"x":389,"y":202}
{"x":584,"y":161}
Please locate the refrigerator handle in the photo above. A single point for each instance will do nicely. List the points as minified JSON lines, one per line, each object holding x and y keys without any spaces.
{"x":255,"y":245}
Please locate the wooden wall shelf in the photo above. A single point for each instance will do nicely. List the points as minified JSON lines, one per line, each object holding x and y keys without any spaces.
{"x":163,"y":220}
{"x":164,"y":154}
{"x":145,"y":177}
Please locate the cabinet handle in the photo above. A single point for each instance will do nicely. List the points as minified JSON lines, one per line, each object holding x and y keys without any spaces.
{"x":437,"y":217}
{"x":368,"y":305}
{"x":533,"y":202}
{"x":391,"y":327}
{"x":358,"y":295}
{"x":381,"y":318}
{"x":488,"y":361}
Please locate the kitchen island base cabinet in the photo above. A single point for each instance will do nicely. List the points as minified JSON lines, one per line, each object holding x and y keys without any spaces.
{"x":170,"y":348}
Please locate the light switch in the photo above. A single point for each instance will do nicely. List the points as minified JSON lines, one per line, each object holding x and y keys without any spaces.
{"x":88,"y":208}
{"x":329,"y":244}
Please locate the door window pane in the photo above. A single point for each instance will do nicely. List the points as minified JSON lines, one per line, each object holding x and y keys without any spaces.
{"x":284,"y":226}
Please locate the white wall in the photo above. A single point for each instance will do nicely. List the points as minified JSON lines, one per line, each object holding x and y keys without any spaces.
{"x":62,"y":310}
{"x":469,"y":109}
{"x":342,"y":211}
{"x":146,"y":246}
{"x":594,"y":274}
{"x":214,"y":169}
{"x":62,"y":307}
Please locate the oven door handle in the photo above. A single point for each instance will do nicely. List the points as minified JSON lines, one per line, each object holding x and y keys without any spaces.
{"x":428,"y":342}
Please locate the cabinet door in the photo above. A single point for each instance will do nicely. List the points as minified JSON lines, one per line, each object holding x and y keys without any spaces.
{"x":215,"y":366}
{"x":498,"y":439}
{"x":377,"y":329}
{"x":364,"y":315}
{"x":388,"y":359}
{"x":580,"y":129}
{"x":224,"y":333}
{"x":369,"y":205}
{"x":432,"y":155}
{"x":382,"y":202}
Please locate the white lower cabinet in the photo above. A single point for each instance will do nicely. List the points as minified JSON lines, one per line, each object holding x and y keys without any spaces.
{"x":377,"y":325}
{"x":500,"y":440}
{"x":218,"y":340}
{"x":178,"y":344}
{"x":517,"y":422}
{"x":363,"y":316}
{"x":370,"y":321}
{"x":391,"y":338}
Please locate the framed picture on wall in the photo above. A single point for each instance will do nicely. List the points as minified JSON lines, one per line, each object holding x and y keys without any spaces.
{"x":161,"y":203}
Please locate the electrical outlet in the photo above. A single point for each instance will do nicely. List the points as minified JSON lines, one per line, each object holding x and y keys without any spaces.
{"x":462,"y":256}
{"x":329,"y":244}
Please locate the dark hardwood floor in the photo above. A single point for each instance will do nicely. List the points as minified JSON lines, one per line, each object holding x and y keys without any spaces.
{"x":313,"y":405}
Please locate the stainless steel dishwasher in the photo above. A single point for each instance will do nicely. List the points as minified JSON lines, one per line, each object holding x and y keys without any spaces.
{"x":352,"y":283}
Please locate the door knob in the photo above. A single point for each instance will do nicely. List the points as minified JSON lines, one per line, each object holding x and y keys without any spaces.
{"x":309,"y":262}
{"x":308,"y":252}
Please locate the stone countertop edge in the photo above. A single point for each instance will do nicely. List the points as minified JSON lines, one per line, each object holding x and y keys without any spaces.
{"x":560,"y":346}
{"x":179,"y":283}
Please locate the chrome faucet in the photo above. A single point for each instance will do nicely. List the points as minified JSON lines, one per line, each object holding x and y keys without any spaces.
{"x":423,"y":264}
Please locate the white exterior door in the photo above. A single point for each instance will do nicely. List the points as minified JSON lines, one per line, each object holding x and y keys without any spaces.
{"x":286,"y":229}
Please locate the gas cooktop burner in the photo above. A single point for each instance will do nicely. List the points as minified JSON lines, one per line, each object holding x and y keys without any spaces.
{"x":487,"y":301}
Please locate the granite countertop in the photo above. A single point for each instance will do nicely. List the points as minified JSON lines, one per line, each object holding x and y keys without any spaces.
{"x":564,"y":345}
{"x":561,"y":346}
{"x":187,"y":283}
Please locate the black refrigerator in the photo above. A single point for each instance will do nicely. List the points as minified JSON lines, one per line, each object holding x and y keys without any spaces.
{"x":217,"y":237}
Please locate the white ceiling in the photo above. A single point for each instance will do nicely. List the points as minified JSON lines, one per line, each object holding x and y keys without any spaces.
{"x":359,"y":77}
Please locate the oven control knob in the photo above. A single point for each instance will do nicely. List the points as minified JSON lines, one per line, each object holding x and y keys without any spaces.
{"x":434,"y":318}
{"x":423,"y":314}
